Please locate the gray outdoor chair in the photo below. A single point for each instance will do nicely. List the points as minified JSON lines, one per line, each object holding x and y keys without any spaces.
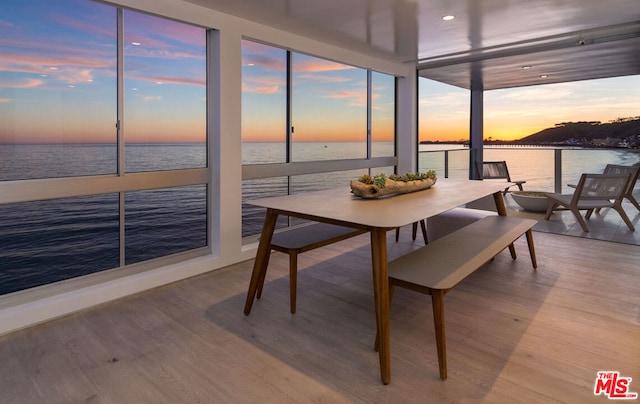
{"x":490,"y":170}
{"x":592,"y":192}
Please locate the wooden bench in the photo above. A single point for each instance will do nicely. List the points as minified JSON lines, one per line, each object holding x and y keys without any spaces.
{"x":296,"y":240}
{"x":447,"y":222}
{"x":438,"y":267}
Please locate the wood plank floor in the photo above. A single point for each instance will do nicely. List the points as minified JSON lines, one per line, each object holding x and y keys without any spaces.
{"x":513,"y":335}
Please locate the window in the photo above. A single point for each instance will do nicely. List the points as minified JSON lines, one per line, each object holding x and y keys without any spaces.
{"x":164,"y":221}
{"x":59,"y":99}
{"x":53,"y":240}
{"x":298,"y":109}
{"x":443,"y":124}
{"x":264,"y":104}
{"x":253,"y":216}
{"x":57,"y":89}
{"x":329,"y":105}
{"x":165,"y":93}
{"x":382,"y":115}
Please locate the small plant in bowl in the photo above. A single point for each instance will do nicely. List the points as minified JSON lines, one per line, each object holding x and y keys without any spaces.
{"x":380,"y":185}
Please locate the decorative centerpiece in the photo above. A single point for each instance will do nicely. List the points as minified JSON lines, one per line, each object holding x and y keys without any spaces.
{"x":381,"y":185}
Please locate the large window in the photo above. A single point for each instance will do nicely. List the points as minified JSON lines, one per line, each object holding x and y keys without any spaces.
{"x":164,"y":221}
{"x":329,"y":110}
{"x":299,"y":109}
{"x":53,"y":240}
{"x":64,"y":116}
{"x":264,"y":104}
{"x":443,"y":124}
{"x":383,"y":118}
{"x":57,"y":88}
{"x":165,"y":91}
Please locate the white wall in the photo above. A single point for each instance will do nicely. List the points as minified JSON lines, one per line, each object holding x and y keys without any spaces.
{"x":41,"y":304}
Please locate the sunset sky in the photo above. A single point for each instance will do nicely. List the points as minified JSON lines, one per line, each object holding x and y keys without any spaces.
{"x":58,"y":75}
{"x":515,"y":113}
{"x":329,"y":99}
{"x":58,"y":84}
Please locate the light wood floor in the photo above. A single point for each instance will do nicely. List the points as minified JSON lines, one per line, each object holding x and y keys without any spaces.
{"x":513,"y":335}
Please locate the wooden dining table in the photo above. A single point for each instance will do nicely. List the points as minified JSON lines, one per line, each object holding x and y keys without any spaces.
{"x":377,"y":216}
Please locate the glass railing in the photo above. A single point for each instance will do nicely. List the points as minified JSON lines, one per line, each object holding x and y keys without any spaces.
{"x":547,"y":169}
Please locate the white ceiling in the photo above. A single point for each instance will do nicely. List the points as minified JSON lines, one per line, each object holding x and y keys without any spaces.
{"x":487,"y":43}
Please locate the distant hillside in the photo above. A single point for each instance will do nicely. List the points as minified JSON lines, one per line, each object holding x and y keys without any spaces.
{"x":586,"y":132}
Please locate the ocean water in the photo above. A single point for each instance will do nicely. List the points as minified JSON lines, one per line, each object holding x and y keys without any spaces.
{"x":53,"y":240}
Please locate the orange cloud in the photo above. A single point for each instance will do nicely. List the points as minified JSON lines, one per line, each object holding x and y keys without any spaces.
{"x":262,"y":85}
{"x":25,"y":83}
{"x":319,"y":65}
{"x":5,"y":100}
{"x":39,"y":63}
{"x":323,"y":79}
{"x":267,"y":90}
{"x":354,"y":97}
{"x":72,"y":75}
{"x":152,"y":98}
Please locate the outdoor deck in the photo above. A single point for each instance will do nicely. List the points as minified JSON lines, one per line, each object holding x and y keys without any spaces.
{"x":513,"y":334}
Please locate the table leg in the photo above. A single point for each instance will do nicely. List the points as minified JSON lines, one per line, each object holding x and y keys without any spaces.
{"x":381,"y":296}
{"x":499,"y":201}
{"x":262,"y":258}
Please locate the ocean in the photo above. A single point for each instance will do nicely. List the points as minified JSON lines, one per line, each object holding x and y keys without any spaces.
{"x":49,"y":241}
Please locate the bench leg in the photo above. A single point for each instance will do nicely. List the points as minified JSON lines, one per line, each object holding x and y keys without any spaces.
{"x":293,"y":279}
{"x":512,"y":250}
{"x":532,"y":250}
{"x":437,"y":299}
{"x":423,"y":227}
{"x":414,"y":231}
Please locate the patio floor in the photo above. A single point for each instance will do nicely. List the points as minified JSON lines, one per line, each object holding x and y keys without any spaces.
{"x":606,"y":225}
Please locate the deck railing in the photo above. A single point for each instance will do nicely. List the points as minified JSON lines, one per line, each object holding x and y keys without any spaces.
{"x":544,"y":168}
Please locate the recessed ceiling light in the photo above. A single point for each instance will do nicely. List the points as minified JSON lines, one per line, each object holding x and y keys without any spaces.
{"x":544,"y":76}
{"x":527,"y":67}
{"x":448,"y":17}
{"x":136,"y":43}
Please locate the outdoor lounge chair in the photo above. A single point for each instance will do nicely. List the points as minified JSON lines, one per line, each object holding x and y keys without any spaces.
{"x":491,"y":170}
{"x":633,"y":171}
{"x":592,"y":192}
